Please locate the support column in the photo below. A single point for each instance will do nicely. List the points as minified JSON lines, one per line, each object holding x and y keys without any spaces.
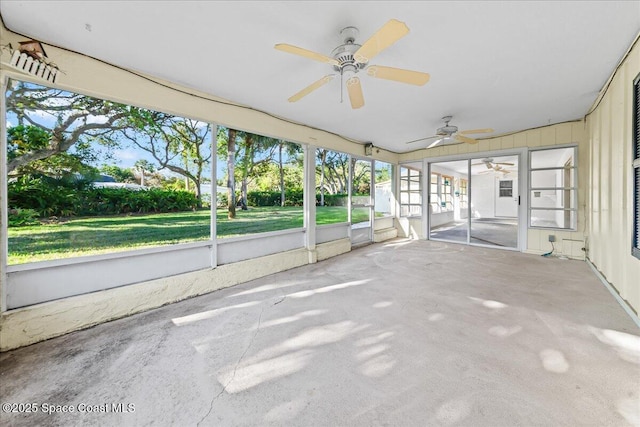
{"x":309,"y":205}
{"x":426,"y":190}
{"x":4,"y":201}
{"x":214,"y":194}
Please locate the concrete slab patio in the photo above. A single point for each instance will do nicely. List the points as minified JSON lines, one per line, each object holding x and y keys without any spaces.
{"x":402,"y":333}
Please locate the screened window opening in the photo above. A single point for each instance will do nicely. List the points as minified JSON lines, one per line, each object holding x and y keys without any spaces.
{"x":259,"y":184}
{"x":383,"y":189}
{"x":332,"y":187}
{"x":553,"y":188}
{"x":87,"y":176}
{"x":410,"y":192}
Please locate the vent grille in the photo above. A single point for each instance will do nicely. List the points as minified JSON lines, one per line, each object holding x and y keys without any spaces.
{"x":34,"y":67}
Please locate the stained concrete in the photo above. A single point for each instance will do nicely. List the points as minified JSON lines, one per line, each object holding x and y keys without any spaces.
{"x":403,"y":333}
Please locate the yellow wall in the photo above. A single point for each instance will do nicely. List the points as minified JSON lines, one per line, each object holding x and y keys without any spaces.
{"x":548,"y":136}
{"x":610,"y":183}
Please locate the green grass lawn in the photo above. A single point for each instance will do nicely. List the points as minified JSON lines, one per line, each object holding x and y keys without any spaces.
{"x":96,"y":235}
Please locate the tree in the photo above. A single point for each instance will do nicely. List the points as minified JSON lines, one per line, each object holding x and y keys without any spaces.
{"x":23,"y":139}
{"x":68,"y":120}
{"x":118,"y":173}
{"x":175,"y":143}
{"x":231,"y":183}
{"x":334,"y":172}
{"x":361,"y":177}
{"x":256,"y":153}
{"x":144,"y":167}
{"x":322,"y":156}
{"x":291,"y":151}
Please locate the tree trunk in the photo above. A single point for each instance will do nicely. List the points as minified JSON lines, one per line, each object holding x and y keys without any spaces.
{"x":231,"y":160}
{"x":323,"y":158}
{"x":197,"y":184}
{"x":282,"y":192}
{"x":243,"y":200}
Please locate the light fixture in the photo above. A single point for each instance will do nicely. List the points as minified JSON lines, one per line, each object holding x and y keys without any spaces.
{"x":368,"y":149}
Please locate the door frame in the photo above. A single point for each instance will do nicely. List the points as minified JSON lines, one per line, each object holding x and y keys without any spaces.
{"x":370,"y":205}
{"x":523,"y":161}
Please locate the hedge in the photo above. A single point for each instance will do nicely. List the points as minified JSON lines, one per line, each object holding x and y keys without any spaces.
{"x":51,"y":197}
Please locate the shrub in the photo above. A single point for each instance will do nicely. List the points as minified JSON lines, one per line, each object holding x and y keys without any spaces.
{"x":333,"y":199}
{"x":273,"y":198}
{"x":50,"y":197}
{"x":23,"y":217}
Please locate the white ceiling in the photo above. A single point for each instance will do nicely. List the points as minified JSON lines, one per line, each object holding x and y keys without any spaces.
{"x":505,"y":65}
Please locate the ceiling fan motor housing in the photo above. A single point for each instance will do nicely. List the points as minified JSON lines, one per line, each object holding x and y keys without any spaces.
{"x":447,"y":130}
{"x":344,"y":55}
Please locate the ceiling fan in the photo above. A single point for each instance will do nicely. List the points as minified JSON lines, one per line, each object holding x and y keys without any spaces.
{"x":448,"y":132}
{"x":494,"y":166}
{"x":350,"y":58}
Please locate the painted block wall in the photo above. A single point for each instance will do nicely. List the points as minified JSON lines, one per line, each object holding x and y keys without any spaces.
{"x":610,"y":182}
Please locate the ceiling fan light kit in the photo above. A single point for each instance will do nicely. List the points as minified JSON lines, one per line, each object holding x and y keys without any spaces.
{"x":350,"y":58}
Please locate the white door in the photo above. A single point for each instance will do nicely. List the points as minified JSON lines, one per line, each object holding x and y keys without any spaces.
{"x":507,"y":196}
{"x":361,"y":213}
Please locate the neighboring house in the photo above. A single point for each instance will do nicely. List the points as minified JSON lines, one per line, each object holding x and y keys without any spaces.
{"x":106,"y":181}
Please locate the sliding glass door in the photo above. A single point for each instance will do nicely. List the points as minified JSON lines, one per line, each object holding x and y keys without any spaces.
{"x":449,"y":201}
{"x":475,"y":201}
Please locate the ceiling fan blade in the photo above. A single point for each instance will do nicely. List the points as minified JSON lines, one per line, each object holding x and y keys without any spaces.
{"x":472,"y":131}
{"x":506,"y":164}
{"x":355,"y":92}
{"x":423,"y":139}
{"x":436,"y":142}
{"x":390,"y":33}
{"x":306,"y":53}
{"x":465,"y":139}
{"x":313,"y":86}
{"x":399,"y":75}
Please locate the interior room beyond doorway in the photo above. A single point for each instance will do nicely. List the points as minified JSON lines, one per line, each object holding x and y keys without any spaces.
{"x":475,"y":201}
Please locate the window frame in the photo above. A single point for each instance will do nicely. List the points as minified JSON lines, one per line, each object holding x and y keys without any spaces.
{"x":446,"y":192}
{"x":409,"y":191}
{"x":463,"y":191}
{"x":391,"y":204}
{"x":573,"y":189}
{"x":635,"y":168}
{"x":435,"y":200}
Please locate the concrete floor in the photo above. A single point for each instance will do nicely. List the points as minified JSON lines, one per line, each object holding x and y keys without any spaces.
{"x":405,"y":333}
{"x":501,"y":232}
